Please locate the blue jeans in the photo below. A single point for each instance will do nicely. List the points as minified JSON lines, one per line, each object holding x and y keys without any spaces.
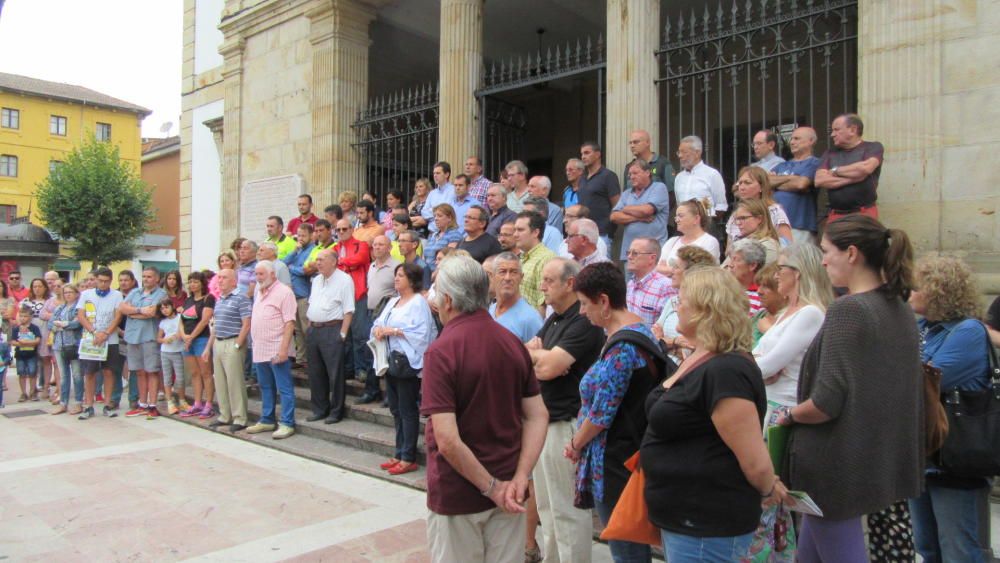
{"x":946,"y":524}
{"x":280,"y":376}
{"x":69,"y":371}
{"x":27,"y":367}
{"x":679,"y":548}
{"x":622,"y":551}
{"x":402,"y":395}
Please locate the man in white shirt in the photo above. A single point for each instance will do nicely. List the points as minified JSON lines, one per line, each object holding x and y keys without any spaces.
{"x":698,"y":180}
{"x":331,"y":309}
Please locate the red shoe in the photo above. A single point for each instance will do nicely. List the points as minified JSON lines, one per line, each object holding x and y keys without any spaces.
{"x":138,"y":411}
{"x":152,"y":414}
{"x":99,"y":398}
{"x":389,"y":464}
{"x":400,"y":469}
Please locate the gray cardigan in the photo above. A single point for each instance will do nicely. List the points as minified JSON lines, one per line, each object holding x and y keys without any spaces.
{"x":863,"y":370}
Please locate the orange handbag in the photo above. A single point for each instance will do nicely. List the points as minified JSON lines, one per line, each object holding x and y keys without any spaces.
{"x":630,"y":519}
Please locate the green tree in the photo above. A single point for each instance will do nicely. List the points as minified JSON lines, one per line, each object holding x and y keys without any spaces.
{"x":98,"y":201}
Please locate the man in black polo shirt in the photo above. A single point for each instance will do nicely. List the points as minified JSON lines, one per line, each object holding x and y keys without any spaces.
{"x":599,"y":190}
{"x":565,"y":348}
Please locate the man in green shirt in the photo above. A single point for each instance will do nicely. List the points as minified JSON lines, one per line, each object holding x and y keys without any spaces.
{"x":324,"y":240}
{"x":285,"y":243}
{"x":528,"y":229}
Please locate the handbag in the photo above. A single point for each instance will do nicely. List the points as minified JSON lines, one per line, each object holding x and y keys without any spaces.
{"x":399,"y":365}
{"x":935,"y":417}
{"x":972,"y":448}
{"x":630,"y":519}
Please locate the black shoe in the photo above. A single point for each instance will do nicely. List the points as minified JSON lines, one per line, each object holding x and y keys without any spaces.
{"x":110,"y":412}
{"x":385,"y":402}
{"x":333,"y":420}
{"x":87,"y":413}
{"x":369,"y":398}
{"x":315,"y":417}
{"x":237,"y":427}
{"x":218,"y":423}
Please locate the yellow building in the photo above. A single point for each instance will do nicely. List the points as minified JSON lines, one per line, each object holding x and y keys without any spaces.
{"x":41,"y":121}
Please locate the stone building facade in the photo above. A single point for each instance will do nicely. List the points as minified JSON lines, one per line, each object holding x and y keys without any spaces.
{"x":272,"y":88}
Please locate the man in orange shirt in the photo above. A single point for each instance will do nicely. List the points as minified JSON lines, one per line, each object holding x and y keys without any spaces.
{"x":368,"y":225}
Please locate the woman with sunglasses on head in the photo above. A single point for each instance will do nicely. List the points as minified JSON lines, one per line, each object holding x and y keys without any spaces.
{"x":693,"y":224}
{"x":754,"y":183}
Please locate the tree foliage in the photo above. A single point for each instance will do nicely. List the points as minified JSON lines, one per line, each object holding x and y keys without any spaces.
{"x":97,"y":200}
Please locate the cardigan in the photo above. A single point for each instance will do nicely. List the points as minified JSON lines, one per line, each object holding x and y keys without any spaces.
{"x":863,"y":370}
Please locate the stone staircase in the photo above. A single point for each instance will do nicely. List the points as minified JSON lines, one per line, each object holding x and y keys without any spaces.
{"x":360,"y":442}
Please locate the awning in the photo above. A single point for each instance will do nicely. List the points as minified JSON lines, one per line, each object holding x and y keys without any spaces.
{"x":162,"y":266}
{"x":66,"y":265}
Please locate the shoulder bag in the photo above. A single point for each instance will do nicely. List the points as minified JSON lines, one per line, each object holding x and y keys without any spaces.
{"x":972,"y":447}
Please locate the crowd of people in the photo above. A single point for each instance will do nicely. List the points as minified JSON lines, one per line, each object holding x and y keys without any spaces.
{"x":542,"y":363}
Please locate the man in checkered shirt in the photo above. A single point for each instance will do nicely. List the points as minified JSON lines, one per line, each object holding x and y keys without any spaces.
{"x":647,"y":289}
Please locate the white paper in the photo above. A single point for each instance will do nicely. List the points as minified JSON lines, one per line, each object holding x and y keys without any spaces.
{"x":804,"y":504}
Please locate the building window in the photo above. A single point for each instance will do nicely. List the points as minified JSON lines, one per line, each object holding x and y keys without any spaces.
{"x":57,"y":125}
{"x":103,"y":131}
{"x":10,"y":118}
{"x":8,"y":165}
{"x":53,"y":164}
{"x":8,"y":213}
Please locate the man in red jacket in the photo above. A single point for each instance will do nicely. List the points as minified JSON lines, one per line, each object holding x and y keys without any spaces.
{"x":355,"y":257}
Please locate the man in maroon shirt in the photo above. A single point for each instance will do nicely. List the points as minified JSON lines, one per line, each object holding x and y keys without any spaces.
{"x":487,"y":424}
{"x":305,"y":204}
{"x":355,"y":257}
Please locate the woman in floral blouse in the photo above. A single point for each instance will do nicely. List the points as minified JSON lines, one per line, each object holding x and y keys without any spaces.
{"x":612,"y":418}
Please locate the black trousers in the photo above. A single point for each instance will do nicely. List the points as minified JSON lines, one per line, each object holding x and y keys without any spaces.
{"x":402,"y":394}
{"x":325,"y":356}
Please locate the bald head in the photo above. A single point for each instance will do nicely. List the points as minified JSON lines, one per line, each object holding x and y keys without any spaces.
{"x":227,"y":281}
{"x":639,"y":144}
{"x":802,"y":142}
{"x":326,"y":262}
{"x":381,"y":247}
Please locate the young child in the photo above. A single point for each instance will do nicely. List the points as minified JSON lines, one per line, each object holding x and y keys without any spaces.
{"x":25,"y":339}
{"x":171,"y":359}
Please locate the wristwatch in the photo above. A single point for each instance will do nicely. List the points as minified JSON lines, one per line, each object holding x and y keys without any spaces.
{"x":834,"y":170}
{"x":237,"y":346}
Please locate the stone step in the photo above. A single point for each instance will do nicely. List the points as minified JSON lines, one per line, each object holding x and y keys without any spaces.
{"x":325,"y":451}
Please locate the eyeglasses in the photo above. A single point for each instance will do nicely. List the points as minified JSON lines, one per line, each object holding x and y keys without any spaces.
{"x":342,"y":229}
{"x":631,"y":253}
{"x":786,"y":266}
{"x":741,"y":218}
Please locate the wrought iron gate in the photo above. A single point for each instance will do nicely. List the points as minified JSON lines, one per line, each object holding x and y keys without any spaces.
{"x":397,"y":140}
{"x":770,"y":64}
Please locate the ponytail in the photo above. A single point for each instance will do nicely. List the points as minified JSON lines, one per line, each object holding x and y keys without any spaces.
{"x":897,"y":266}
{"x":887,"y":251}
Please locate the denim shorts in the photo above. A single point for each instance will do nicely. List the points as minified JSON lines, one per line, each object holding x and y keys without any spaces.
{"x":27,"y":367}
{"x":197,"y":346}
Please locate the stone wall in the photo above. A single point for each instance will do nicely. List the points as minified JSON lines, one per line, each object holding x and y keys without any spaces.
{"x":929,"y":90}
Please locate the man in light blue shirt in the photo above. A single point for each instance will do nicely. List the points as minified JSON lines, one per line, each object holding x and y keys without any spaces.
{"x":443,"y":192}
{"x":540,"y":186}
{"x":510,"y":309}
{"x":296,"y":262}
{"x":644,"y":209}
{"x":462,"y":201}
{"x":142,"y":351}
{"x":765,"y":148}
{"x":552,"y":237}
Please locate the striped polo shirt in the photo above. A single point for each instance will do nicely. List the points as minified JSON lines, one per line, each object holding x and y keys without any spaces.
{"x":230,"y":310}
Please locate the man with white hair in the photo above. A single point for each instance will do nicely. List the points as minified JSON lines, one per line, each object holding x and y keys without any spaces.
{"x":698,"y":180}
{"x":482,"y":396}
{"x":227,"y":348}
{"x":496,"y":201}
{"x":269,"y":251}
{"x":510,"y":309}
{"x":517,"y":176}
{"x":574,"y":173}
{"x":272,"y":323}
{"x":648,"y":289}
{"x":583,"y":243}
{"x":746,"y":258}
{"x":540,"y":186}
{"x":331,"y":308}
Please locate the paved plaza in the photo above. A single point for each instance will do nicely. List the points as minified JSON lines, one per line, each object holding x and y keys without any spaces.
{"x":128,"y":489}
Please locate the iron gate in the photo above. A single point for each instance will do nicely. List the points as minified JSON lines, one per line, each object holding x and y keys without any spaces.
{"x":397,"y":140}
{"x":770,"y":64}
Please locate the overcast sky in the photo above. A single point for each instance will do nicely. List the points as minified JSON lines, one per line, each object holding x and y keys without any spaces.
{"x":129,"y":49}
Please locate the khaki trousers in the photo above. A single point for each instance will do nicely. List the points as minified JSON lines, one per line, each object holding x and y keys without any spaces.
{"x":567,"y":531}
{"x":301,"y":328}
{"x":230,"y":389}
{"x":492,"y":536}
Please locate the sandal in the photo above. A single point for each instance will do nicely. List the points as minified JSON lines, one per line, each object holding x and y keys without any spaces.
{"x":389,"y":464}
{"x":400,"y":469}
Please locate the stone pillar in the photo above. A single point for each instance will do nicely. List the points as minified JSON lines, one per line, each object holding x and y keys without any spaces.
{"x":232,"y":76}
{"x":929,"y":101}
{"x":339,"y":37}
{"x":215,"y":125}
{"x":632,"y":101}
{"x":461,"y":63}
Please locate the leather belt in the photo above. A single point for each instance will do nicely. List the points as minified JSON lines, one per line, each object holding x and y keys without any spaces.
{"x":325,"y":324}
{"x":221,"y":338}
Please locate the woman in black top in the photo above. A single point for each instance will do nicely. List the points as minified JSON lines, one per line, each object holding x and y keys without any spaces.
{"x":194,"y":330}
{"x":707,"y":468}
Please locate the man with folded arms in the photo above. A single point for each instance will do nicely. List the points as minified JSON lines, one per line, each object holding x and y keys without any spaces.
{"x":228,"y":348}
{"x":331,"y":308}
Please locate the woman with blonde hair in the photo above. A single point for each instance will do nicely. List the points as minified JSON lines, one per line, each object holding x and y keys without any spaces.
{"x":348,"y":202}
{"x":421,"y":188}
{"x":693,"y":224}
{"x":706,"y":466}
{"x":771,"y":302}
{"x":754,"y":222}
{"x":665,"y":327}
{"x":754,"y":183}
{"x":945,"y":516}
{"x":447,"y":233}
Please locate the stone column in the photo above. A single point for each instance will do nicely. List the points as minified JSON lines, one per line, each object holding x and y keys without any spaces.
{"x":339,"y":37}
{"x":232,"y":76}
{"x":632,"y":101}
{"x":461,"y":63}
{"x":925,"y":96}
